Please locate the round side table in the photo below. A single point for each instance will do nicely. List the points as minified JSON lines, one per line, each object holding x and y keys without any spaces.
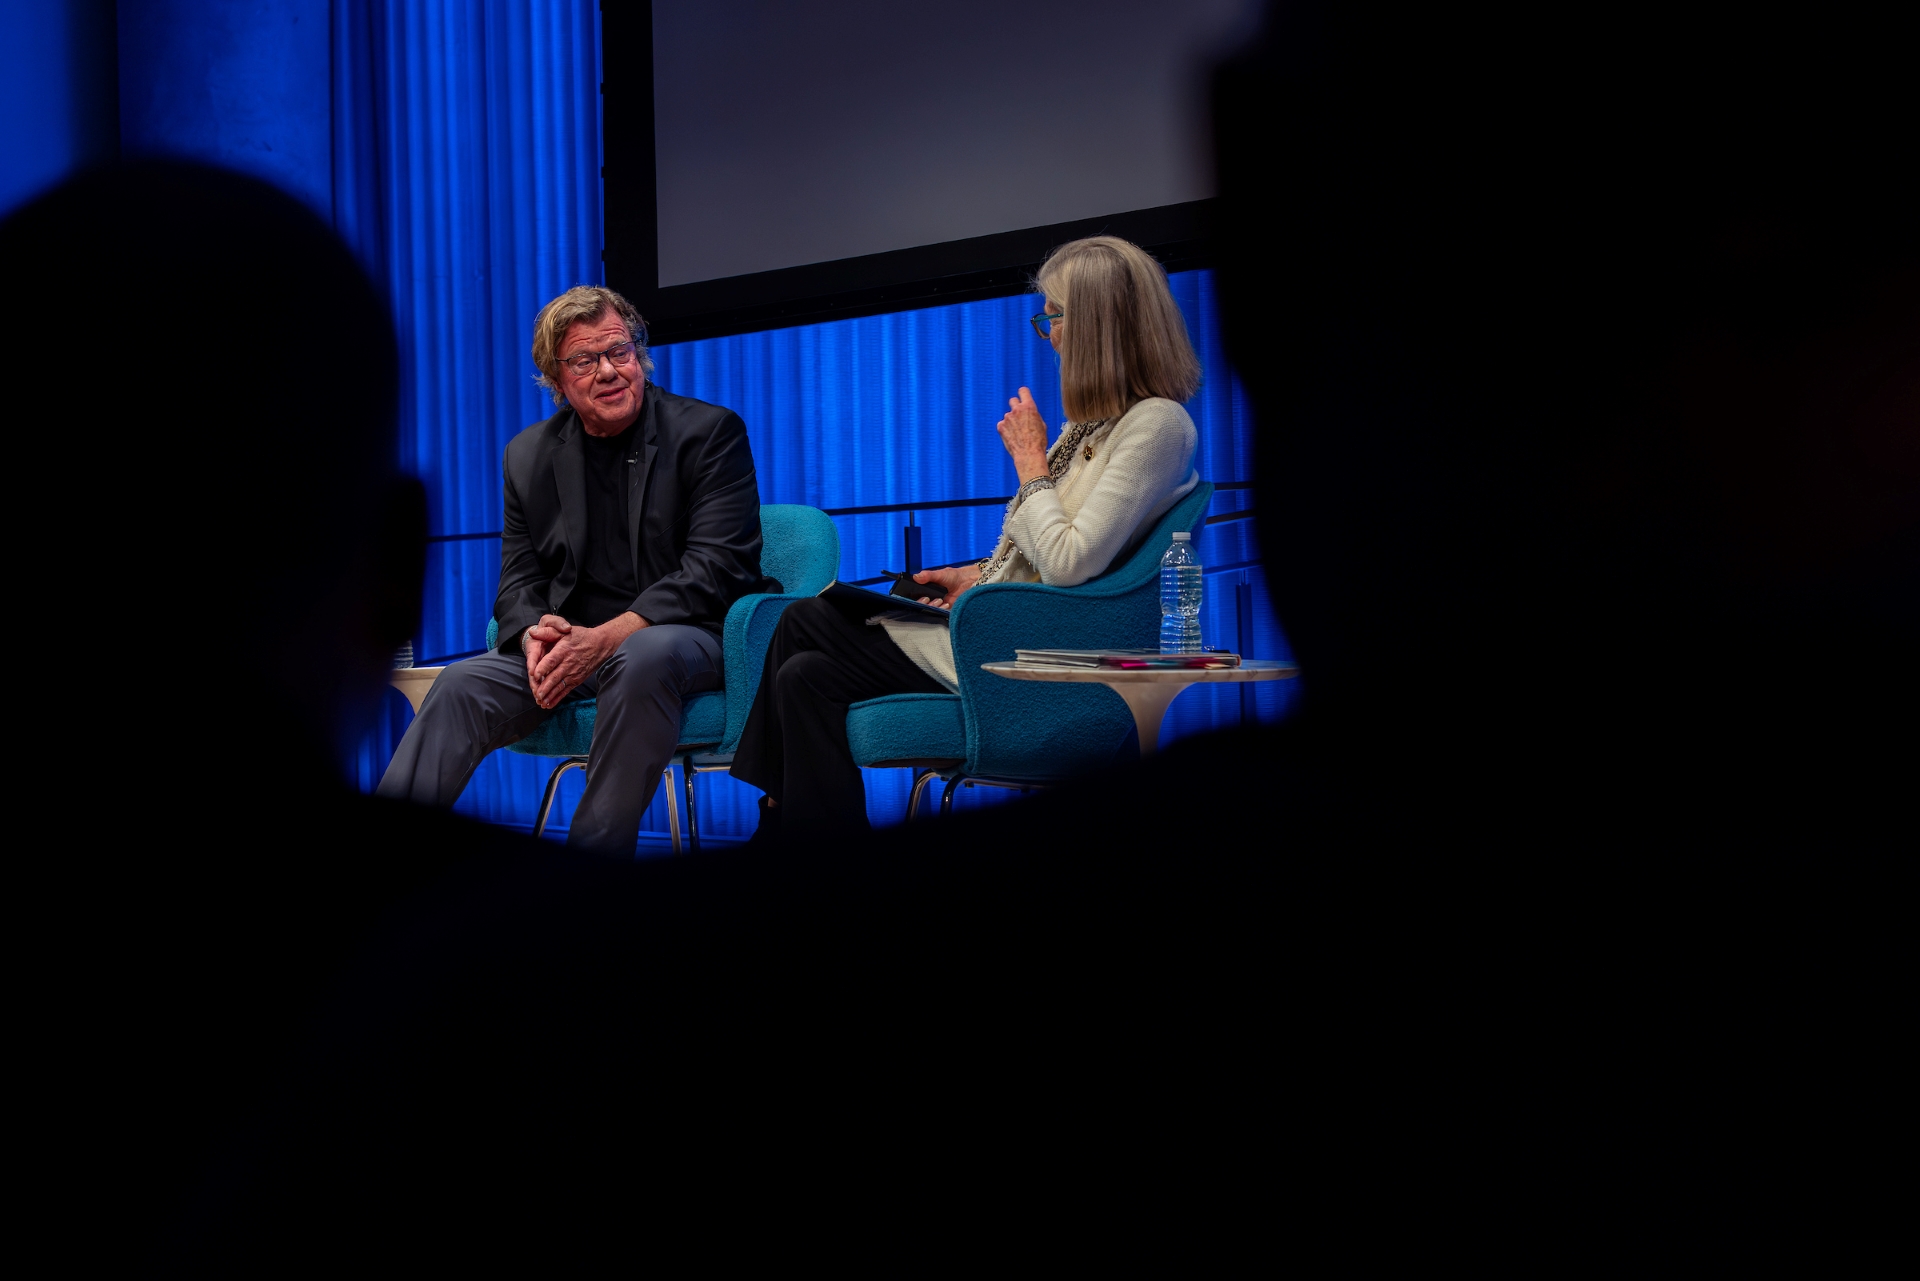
{"x":414,"y":682}
{"x":1147,"y":691}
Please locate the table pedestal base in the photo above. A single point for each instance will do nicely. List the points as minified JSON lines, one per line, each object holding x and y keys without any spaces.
{"x":414,"y":682}
{"x":1148,"y":703}
{"x":1146,"y":691}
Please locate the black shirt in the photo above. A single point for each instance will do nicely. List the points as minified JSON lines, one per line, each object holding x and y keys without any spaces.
{"x":698,"y":549}
{"x":607,"y":586}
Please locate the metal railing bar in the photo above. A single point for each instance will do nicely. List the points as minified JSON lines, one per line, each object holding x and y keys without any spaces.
{"x":1205,"y":569}
{"x":945,"y":503}
{"x":858,"y":582}
{"x":918,"y":507}
{"x":868,"y":582}
{"x":942,"y":504}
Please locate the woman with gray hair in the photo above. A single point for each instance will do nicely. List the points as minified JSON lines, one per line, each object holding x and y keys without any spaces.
{"x":1121,"y":461}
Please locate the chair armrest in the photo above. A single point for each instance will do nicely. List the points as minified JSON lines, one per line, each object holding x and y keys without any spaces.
{"x":991,"y":621}
{"x":748,"y":632}
{"x":1033,"y":729}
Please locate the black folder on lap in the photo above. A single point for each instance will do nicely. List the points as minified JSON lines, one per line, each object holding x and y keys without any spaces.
{"x":880,"y":602}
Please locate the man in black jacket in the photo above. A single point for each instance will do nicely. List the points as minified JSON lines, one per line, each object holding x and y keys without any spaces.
{"x":632,"y":523}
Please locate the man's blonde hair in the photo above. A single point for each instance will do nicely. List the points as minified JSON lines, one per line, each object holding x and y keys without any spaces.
{"x":582,"y":302}
{"x":1125,"y":340}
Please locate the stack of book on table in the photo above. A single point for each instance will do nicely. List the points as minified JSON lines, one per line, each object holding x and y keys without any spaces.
{"x":1126,"y":659}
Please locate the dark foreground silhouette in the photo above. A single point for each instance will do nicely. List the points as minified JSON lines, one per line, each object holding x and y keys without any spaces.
{"x":1587,"y":385}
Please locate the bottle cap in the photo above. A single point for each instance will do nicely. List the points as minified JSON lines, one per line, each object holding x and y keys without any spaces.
{"x":1183,"y":537}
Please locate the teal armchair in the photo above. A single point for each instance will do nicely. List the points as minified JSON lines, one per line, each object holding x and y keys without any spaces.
{"x":1025,"y":734}
{"x":800,"y":548}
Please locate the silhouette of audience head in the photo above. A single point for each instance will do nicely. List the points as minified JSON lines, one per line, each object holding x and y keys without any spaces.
{"x":214,"y":460}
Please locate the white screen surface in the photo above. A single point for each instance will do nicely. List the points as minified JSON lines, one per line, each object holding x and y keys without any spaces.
{"x":790,"y":133}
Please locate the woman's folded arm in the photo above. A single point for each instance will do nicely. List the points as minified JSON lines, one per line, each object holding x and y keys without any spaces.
{"x":1151,"y":459}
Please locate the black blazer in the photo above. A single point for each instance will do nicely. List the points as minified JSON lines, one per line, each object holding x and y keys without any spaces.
{"x":693,"y":509}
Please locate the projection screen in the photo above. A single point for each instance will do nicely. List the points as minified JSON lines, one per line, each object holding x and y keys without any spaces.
{"x":820,"y":152}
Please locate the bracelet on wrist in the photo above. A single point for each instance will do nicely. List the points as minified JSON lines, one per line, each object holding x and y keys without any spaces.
{"x":1033,"y":487}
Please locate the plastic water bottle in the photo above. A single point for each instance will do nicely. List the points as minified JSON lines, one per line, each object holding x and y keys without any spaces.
{"x":1180,"y":598}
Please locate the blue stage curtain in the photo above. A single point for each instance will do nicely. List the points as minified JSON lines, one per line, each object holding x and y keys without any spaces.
{"x":466,"y":175}
{"x":241,"y":83}
{"x":59,"y":96}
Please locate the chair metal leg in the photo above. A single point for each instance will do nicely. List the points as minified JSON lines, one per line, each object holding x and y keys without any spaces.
{"x":553,"y":790}
{"x":673,"y":808}
{"x":693,"y":824}
{"x":920,"y":781}
{"x":953,"y":785}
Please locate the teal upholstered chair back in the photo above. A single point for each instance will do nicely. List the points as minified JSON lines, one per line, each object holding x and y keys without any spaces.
{"x":799,"y":547}
{"x":1143,"y":566}
{"x":1039,"y":730}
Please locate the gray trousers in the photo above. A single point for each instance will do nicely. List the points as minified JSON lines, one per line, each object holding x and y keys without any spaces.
{"x":484,"y":703}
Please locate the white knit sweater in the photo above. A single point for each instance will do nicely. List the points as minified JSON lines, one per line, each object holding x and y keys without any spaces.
{"x":1095,"y":515}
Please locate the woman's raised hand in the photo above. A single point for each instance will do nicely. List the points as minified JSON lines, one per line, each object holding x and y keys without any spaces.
{"x":951,"y":582}
{"x":1024,"y":432}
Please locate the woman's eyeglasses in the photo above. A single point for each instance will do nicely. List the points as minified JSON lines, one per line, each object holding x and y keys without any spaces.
{"x":1043,"y":322}
{"x":620,"y":355}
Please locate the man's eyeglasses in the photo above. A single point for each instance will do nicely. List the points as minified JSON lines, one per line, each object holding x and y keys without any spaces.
{"x":620,"y":355}
{"x":1043,"y":323}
